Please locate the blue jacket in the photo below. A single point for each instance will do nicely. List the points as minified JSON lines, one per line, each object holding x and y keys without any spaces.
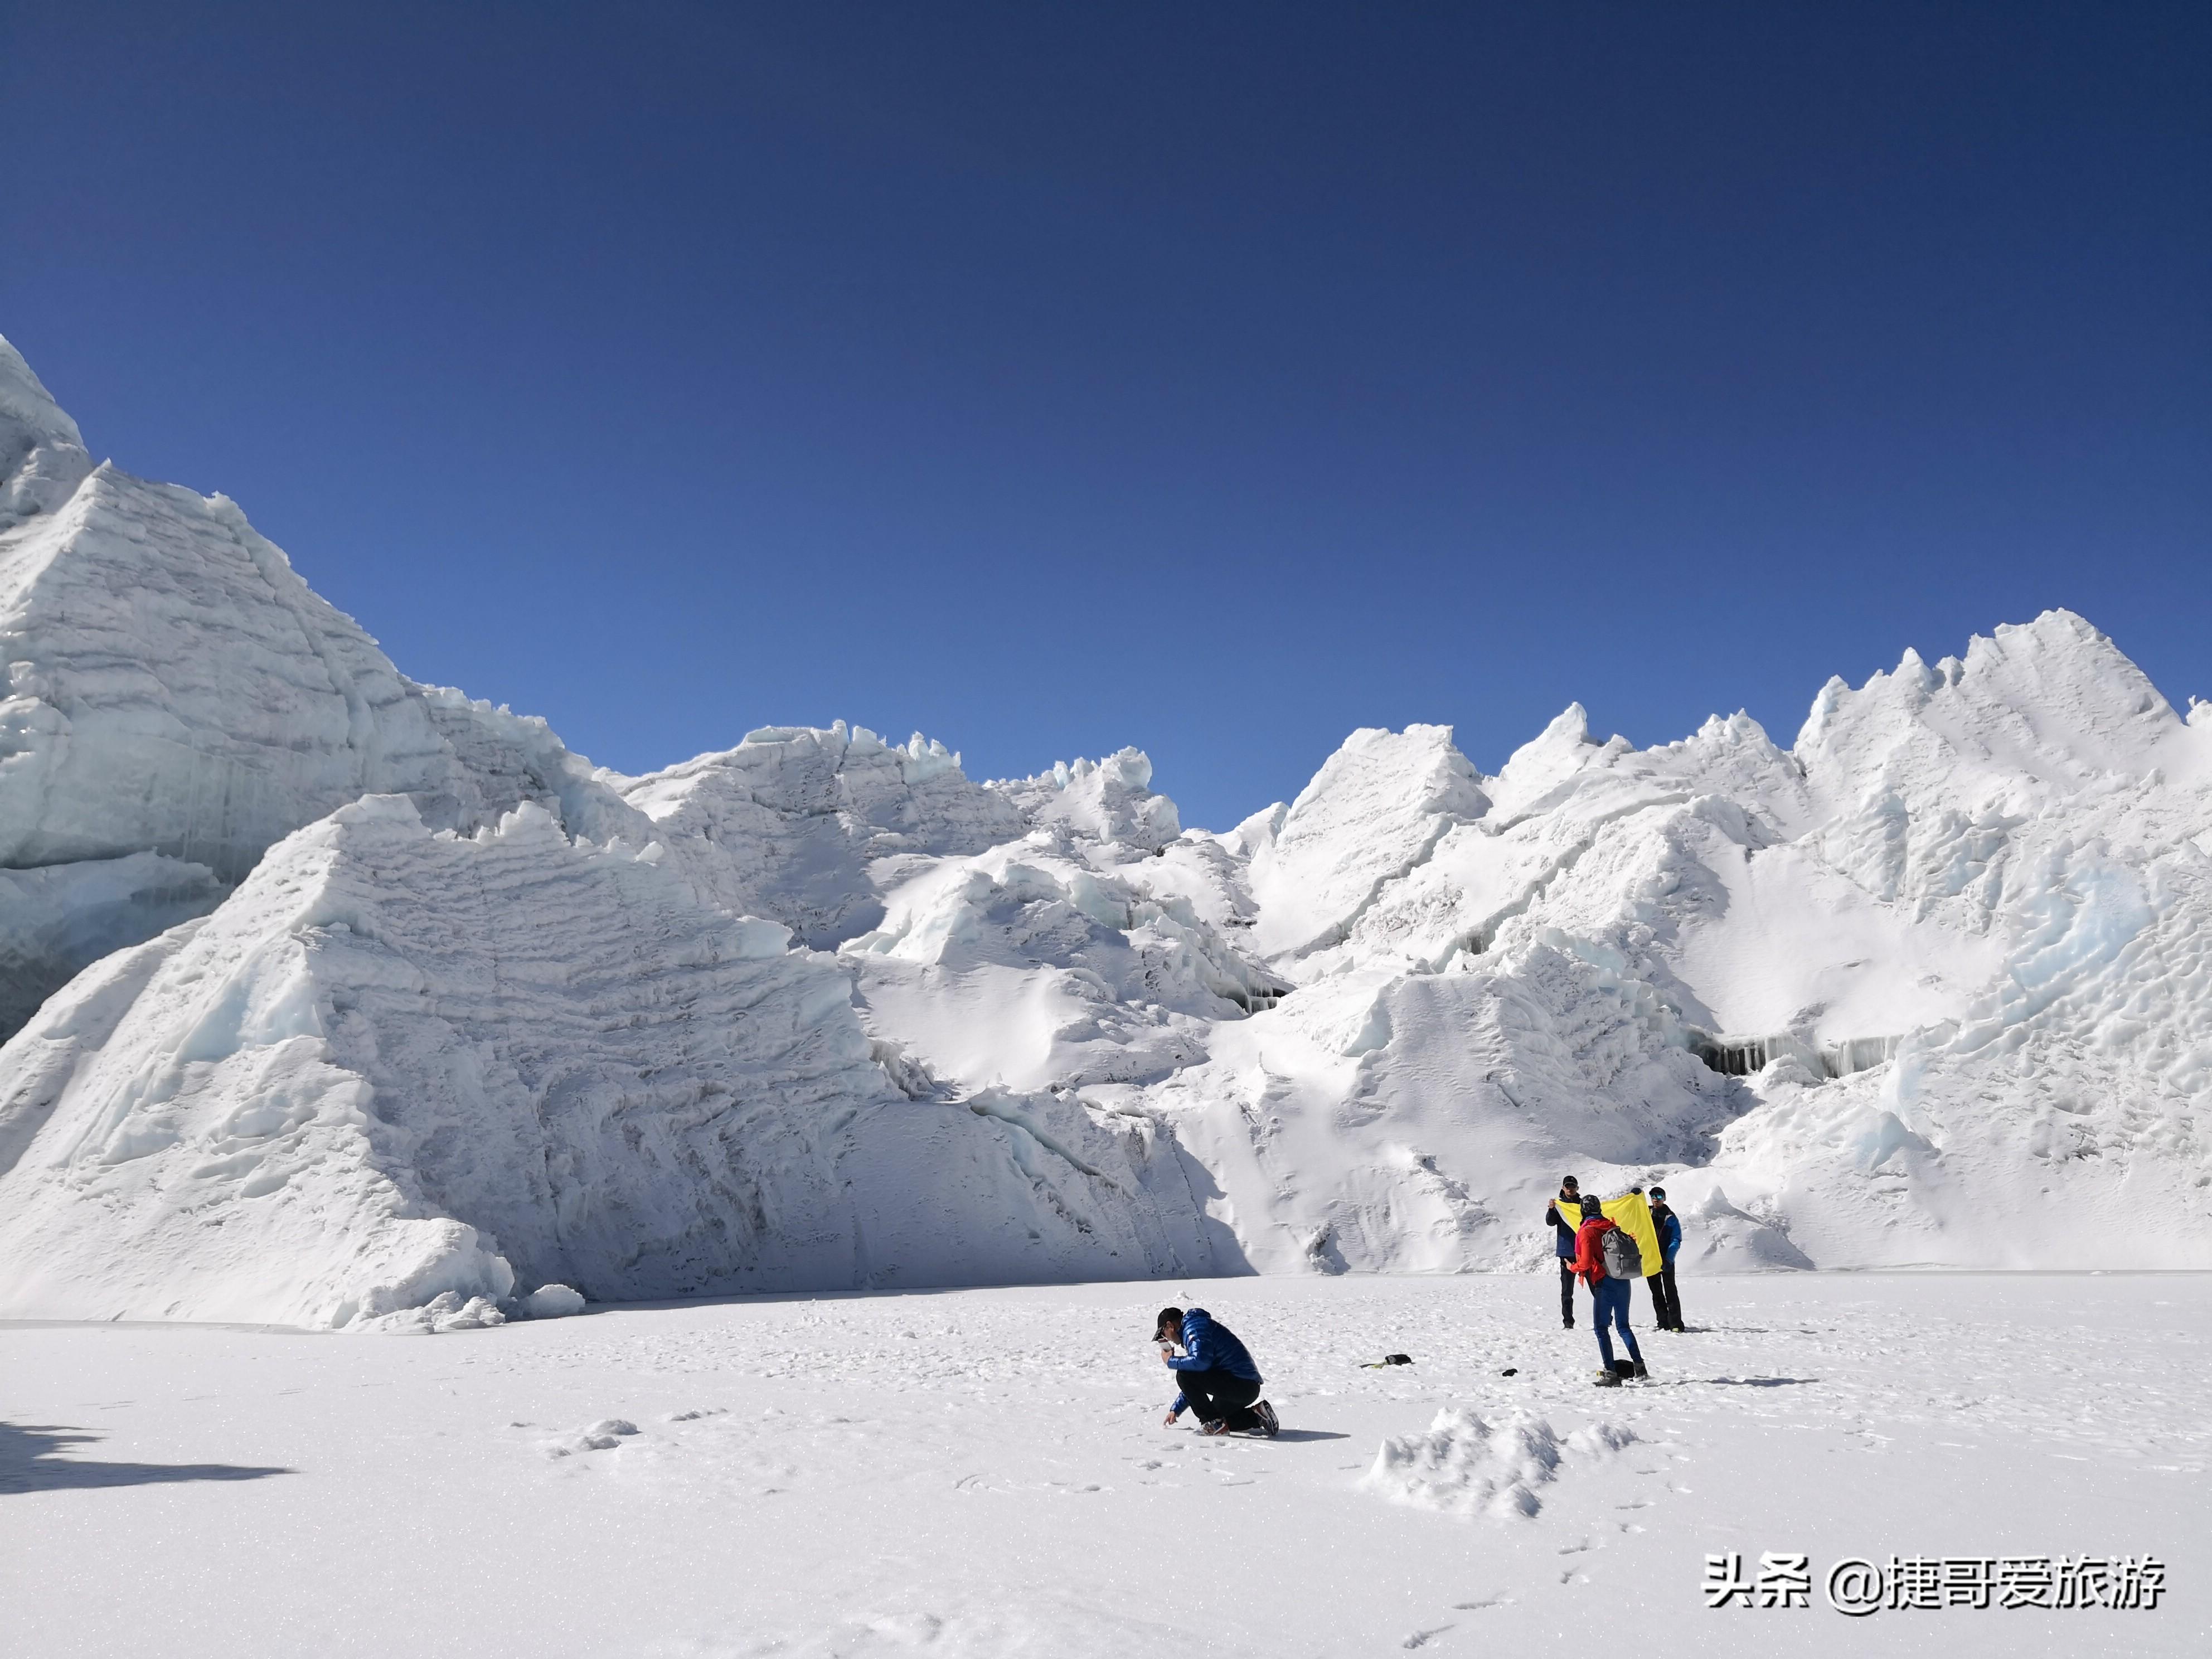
{"x":1670,"y":1236}
{"x":1207,"y":1346}
{"x":1563,"y":1245}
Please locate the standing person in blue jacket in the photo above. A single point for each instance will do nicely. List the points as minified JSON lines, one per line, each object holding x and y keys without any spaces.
{"x":1568,"y":1203}
{"x":1665,"y":1304}
{"x":1220,"y":1381}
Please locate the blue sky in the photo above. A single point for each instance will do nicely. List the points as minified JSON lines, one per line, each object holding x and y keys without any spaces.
{"x":1212,"y":379}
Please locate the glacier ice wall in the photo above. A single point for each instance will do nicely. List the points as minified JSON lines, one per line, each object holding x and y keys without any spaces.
{"x":389,"y":1067}
{"x":339,"y":992}
{"x":169,"y":686}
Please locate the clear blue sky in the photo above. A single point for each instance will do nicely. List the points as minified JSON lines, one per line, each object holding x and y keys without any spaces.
{"x":1215,"y":378}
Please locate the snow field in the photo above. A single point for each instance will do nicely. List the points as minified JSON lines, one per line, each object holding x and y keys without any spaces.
{"x":984,"y":1472}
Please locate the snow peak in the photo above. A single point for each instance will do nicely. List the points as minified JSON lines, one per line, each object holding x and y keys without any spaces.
{"x":1857,"y":1587}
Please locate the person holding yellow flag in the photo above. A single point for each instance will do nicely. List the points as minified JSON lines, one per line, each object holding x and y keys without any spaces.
{"x":1666,"y":1300}
{"x":1564,"y":1214}
{"x":1608,"y":1259}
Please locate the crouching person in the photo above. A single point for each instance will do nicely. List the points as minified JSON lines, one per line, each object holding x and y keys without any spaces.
{"x":1608,"y":1261}
{"x":1220,"y":1383}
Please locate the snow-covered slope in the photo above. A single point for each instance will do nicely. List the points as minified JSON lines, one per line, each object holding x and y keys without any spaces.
{"x":444,"y":1010}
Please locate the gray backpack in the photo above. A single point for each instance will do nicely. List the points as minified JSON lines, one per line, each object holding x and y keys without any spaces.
{"x":1623,"y":1259}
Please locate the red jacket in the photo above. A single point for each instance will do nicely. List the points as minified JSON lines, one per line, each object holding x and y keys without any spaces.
{"x":1589,"y":1250}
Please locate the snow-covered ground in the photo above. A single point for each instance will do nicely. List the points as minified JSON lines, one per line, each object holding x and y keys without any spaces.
{"x":985,"y":1472}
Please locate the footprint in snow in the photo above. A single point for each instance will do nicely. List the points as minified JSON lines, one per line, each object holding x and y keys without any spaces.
{"x":911,"y":1630}
{"x":1421,"y":1639}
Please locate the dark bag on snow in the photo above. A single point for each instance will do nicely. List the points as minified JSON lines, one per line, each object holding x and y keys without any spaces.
{"x":1623,"y":1259}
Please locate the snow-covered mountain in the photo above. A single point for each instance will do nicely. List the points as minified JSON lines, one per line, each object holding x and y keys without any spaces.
{"x":333,"y":996}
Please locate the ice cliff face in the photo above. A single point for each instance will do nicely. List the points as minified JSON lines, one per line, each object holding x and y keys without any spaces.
{"x":389,"y":1066}
{"x":810,"y":827}
{"x":173,"y":689}
{"x":338,"y":994}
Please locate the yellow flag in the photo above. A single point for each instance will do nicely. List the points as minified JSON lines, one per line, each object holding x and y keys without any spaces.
{"x":1631,"y":1213}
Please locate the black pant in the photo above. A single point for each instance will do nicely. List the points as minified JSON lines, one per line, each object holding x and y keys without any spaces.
{"x":1567,"y":1292}
{"x":1665,"y":1304}
{"x":1216,"y":1395}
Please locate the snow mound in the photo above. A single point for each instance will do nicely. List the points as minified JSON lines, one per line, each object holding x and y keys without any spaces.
{"x":606,"y":1435}
{"x":1465,"y":1466}
{"x":553,"y":1302}
{"x":446,"y":1312}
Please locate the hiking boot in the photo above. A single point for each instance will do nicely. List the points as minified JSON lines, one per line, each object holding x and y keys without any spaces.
{"x":1639,"y":1372}
{"x":1608,"y":1378}
{"x":1568,"y":1323}
{"x":1266,"y":1413}
{"x":1217,"y":1427}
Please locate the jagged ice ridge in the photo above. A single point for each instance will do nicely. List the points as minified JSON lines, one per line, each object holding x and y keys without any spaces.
{"x":334,"y":999}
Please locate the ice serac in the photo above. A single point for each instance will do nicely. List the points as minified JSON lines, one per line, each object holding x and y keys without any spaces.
{"x":1864,"y":1004}
{"x":397,"y":1064}
{"x":174,"y":687}
{"x":2047,"y":707}
{"x":1375,"y":810}
{"x":349,"y":1000}
{"x":507,"y":760}
{"x":810,"y":826}
{"x":1109,"y":803}
{"x":42,"y":454}
{"x":170,"y":687}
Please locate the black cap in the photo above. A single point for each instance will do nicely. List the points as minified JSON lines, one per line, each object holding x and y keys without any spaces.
{"x":1168,"y":1317}
{"x":1569,"y":1181}
{"x":1658,"y":1192}
{"x":1591,"y":1206}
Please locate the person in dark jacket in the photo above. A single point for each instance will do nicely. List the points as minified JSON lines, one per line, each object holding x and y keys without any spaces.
{"x":1666,"y":1303}
{"x":1568,"y":1203}
{"x":1609,"y":1295}
{"x":1220,"y":1381}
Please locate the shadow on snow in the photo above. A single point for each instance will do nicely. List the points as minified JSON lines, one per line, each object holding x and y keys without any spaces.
{"x":30,"y":1461}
